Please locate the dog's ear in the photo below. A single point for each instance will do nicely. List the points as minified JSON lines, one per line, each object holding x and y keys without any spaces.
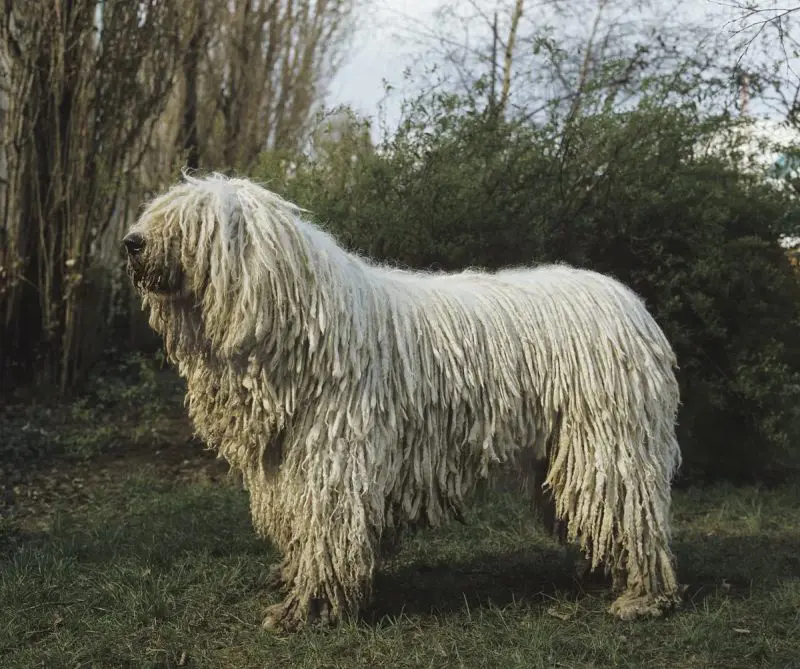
{"x":225,"y":208}
{"x":223,"y":282}
{"x":233,"y":227}
{"x":214,"y":230}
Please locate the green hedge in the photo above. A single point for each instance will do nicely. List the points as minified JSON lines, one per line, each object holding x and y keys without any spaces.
{"x":626,"y":194}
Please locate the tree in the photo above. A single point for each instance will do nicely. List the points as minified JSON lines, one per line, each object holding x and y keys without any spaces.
{"x":197,"y":27}
{"x":82,"y":86}
{"x":267,"y":65}
{"x":752,"y":19}
{"x":612,"y":174}
{"x":598,"y":53}
{"x":631,"y":196}
{"x":102,"y":101}
{"x":765,"y":42}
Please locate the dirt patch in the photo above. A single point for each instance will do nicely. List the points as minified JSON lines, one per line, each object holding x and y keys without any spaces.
{"x":31,"y":499}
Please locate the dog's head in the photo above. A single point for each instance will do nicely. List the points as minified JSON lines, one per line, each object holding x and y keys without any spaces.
{"x":187,"y":237}
{"x":226,"y":249}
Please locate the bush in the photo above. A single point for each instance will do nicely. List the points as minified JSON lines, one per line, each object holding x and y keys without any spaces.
{"x":625,"y":194}
{"x":129,"y":398}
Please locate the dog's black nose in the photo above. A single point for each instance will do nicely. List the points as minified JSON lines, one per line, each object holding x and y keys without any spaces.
{"x":134,"y":243}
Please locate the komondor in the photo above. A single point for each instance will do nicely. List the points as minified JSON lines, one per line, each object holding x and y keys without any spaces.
{"x":358,"y":400}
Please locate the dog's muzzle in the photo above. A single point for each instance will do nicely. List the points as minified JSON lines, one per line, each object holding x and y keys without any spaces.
{"x":134,"y":244}
{"x":147,"y":275}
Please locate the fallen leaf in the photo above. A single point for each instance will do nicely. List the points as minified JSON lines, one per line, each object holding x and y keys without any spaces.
{"x":561,"y":615}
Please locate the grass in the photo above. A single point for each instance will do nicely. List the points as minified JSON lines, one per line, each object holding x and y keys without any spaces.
{"x":158,"y":573}
{"x":126,"y":546}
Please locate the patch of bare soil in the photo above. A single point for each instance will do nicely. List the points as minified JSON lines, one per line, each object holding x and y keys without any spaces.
{"x":29,"y":499}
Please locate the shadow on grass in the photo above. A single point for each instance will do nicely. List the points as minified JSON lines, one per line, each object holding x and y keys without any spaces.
{"x":536,"y":575}
{"x":735,"y":566}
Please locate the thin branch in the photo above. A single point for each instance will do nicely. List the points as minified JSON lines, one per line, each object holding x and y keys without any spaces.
{"x":509,"y":55}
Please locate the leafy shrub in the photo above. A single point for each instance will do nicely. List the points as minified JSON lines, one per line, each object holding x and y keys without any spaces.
{"x":121,"y":403}
{"x":626,"y":194}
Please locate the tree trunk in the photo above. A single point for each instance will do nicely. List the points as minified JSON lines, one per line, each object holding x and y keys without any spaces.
{"x":189,"y":136}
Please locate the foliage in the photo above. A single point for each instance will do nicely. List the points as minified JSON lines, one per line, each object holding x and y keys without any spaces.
{"x":127,"y":399}
{"x":612,"y":173}
{"x":632,"y":194}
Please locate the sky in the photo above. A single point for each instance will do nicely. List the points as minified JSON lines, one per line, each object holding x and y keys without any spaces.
{"x":379,"y":53}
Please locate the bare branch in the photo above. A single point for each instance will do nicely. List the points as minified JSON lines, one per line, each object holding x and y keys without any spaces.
{"x":754,"y":19}
{"x":268,"y":64}
{"x":79,"y":104}
{"x":509,"y":54}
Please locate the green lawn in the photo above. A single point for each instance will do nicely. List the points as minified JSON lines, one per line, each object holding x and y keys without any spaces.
{"x":146,"y":570}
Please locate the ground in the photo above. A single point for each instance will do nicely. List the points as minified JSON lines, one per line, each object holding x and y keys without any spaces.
{"x":138,"y":552}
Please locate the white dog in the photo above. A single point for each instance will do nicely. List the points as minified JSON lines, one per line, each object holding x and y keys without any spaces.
{"x":358,"y":399}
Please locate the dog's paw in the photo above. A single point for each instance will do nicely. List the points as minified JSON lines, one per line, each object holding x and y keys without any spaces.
{"x":288,"y":616}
